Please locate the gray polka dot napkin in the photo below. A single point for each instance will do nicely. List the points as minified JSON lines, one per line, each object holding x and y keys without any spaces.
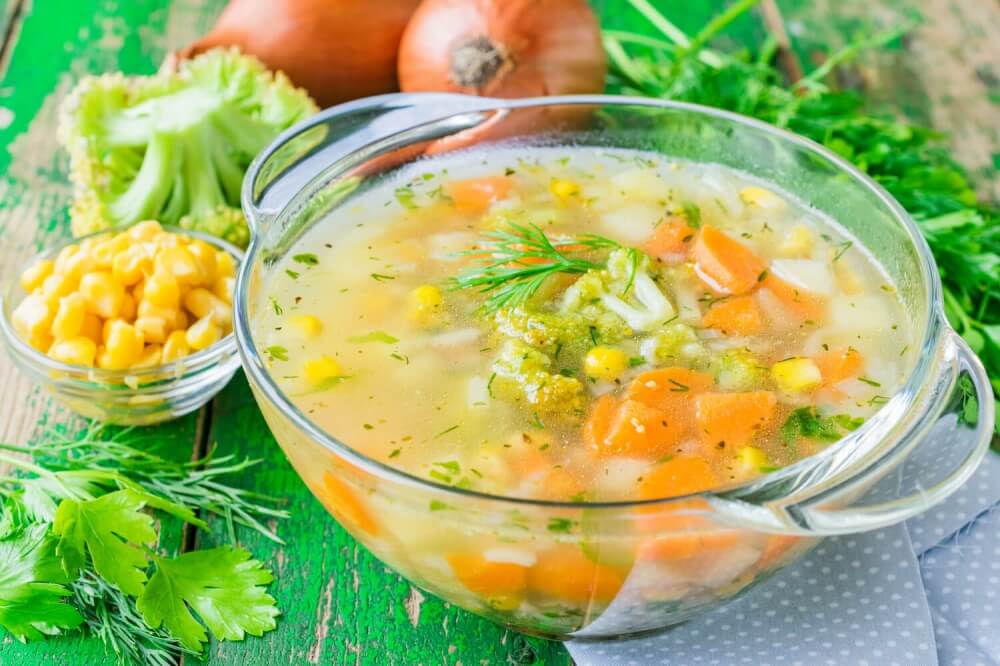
{"x":919,"y":594}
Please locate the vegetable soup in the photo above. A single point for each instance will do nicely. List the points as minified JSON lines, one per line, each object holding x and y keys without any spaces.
{"x":578,"y":324}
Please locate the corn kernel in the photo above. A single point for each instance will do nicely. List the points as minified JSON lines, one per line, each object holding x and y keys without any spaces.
{"x":203,"y":333}
{"x":796,"y":375}
{"x":225,"y":264}
{"x":131,"y":265}
{"x":35,"y":274}
{"x":181,"y":320}
{"x":32,"y":318}
{"x":104,"y":252}
{"x":170,"y":315}
{"x":139,"y":291}
{"x":64,"y":255}
{"x":145,"y":230}
{"x":78,"y":265}
{"x":162,"y":289}
{"x":68,"y":322}
{"x":308,"y":325}
{"x":604,"y":363}
{"x":175,"y":347}
{"x":151,"y":357}
{"x":55,"y":287}
{"x":122,"y":348}
{"x":180,"y":263}
{"x":223,"y":289}
{"x":106,"y":330}
{"x":751,"y":459}
{"x":104,"y":295}
{"x":425,"y":302}
{"x":205,"y":256}
{"x":798,"y":242}
{"x":92,"y":328}
{"x":762,"y":198}
{"x":75,"y":351}
{"x":164,"y":241}
{"x":153,"y":329}
{"x":563,"y":189}
{"x":200,"y":302}
{"x":319,"y":370}
{"x":42,"y":342}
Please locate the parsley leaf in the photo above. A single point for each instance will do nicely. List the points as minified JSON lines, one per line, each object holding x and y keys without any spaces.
{"x":111,"y":529}
{"x":224,"y":586}
{"x":374,"y":336}
{"x":32,"y":585}
{"x":807,"y":423}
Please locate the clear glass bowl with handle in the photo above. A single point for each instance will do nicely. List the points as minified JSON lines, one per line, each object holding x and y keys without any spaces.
{"x":138,"y":396}
{"x":605,"y":570}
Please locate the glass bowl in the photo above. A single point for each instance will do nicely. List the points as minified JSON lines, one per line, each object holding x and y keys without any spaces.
{"x":124,"y":397}
{"x":605,"y":570}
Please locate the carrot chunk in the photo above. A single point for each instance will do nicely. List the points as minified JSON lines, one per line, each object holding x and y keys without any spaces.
{"x":489,"y":579}
{"x":681,"y":475}
{"x":775,"y":548}
{"x":725,"y":265}
{"x":558,"y":484}
{"x":664,"y":387}
{"x":345,"y":505}
{"x":475,"y":195}
{"x":671,"y":237}
{"x":685,"y":545}
{"x":798,"y":302}
{"x":598,"y":424}
{"x":636,"y":429}
{"x":735,"y":316}
{"x":565,"y":573}
{"x":836,"y":365}
{"x":732,"y":419}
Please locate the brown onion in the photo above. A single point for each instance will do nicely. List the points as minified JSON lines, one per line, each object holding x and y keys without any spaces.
{"x":337,"y":50}
{"x":503,"y":48}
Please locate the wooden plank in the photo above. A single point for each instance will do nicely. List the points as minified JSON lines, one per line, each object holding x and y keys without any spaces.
{"x":54,"y":44}
{"x":945,"y":73}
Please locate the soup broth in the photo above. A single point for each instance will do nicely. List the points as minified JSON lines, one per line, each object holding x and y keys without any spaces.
{"x":577,"y":324}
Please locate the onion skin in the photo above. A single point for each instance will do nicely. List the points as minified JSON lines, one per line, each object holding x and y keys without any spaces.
{"x":503,"y":48}
{"x":338,"y":50}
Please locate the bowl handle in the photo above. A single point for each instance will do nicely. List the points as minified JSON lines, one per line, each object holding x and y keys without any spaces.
{"x":315,"y":146}
{"x":949,"y":445}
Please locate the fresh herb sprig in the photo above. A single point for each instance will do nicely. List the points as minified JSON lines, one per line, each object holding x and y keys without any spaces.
{"x":76,"y":538}
{"x":519,"y":258}
{"x":906,"y":159}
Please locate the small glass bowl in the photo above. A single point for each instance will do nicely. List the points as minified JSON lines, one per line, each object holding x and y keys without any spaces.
{"x":124,"y":397}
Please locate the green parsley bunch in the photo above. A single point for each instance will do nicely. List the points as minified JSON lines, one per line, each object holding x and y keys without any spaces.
{"x":77,"y":537}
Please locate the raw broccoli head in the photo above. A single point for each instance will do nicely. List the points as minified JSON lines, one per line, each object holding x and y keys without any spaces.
{"x":621,"y":298}
{"x":525,"y":375}
{"x":174,"y":147}
{"x":553,"y":333}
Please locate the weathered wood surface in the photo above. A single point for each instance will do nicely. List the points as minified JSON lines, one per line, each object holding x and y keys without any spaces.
{"x":339,"y":604}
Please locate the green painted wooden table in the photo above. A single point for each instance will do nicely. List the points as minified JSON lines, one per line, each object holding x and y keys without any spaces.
{"x":339,"y":604}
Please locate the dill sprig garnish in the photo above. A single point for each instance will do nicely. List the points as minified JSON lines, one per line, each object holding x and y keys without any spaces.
{"x":520,"y":258}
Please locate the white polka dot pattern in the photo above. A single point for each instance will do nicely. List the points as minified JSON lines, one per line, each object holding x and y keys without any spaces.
{"x":979,"y":492}
{"x":962,"y":581}
{"x":858,"y":599}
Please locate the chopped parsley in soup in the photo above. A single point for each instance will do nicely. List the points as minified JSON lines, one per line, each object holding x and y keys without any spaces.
{"x":582,"y":325}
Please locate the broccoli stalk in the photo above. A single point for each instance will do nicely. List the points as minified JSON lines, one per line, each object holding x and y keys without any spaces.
{"x":174,"y":147}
